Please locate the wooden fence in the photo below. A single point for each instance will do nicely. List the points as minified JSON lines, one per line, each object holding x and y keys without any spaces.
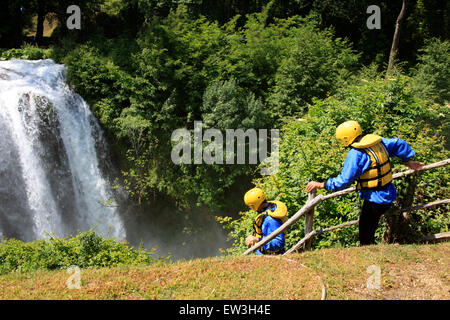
{"x":313,"y":200}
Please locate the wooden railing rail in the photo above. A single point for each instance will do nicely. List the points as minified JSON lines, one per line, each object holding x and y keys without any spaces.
{"x":351,"y":223}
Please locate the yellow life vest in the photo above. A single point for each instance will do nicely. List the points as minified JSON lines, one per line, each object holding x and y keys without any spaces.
{"x":279,"y":213}
{"x":379,"y":173}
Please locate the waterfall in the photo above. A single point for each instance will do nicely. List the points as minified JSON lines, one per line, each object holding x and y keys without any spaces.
{"x":52,"y":157}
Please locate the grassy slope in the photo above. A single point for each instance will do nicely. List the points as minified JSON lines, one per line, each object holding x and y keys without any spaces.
{"x":407,"y":272}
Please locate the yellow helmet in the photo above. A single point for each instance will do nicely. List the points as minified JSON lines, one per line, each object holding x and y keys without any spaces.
{"x":348,"y":131}
{"x":254,"y":197}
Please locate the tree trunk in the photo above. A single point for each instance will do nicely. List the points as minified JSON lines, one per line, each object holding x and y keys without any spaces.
{"x":396,"y":38}
{"x":40,"y":21}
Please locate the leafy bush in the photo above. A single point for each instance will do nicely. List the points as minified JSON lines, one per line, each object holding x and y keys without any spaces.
{"x":431,"y":74}
{"x":316,"y":66}
{"x":87,"y":249}
{"x":28,"y":52}
{"x":226,"y":105}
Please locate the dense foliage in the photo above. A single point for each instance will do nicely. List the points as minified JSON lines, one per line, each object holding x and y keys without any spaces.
{"x":181,"y":71}
{"x":431,"y":74}
{"x":149,"y":67}
{"x":86,"y":249}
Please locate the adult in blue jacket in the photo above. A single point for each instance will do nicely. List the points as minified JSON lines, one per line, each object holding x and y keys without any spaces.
{"x":271,"y":215}
{"x":368,"y":164}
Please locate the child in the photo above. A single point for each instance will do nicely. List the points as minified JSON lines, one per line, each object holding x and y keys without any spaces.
{"x":271,"y":215}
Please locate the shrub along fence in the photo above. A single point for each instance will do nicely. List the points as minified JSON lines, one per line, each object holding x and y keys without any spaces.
{"x":313,"y":200}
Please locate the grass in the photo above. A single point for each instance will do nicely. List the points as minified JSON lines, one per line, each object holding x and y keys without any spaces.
{"x":407,"y":272}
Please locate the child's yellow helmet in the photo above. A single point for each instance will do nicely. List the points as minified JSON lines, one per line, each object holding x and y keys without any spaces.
{"x":254,"y":197}
{"x":348,"y":131}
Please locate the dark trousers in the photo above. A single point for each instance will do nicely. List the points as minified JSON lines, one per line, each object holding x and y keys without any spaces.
{"x":371,"y":213}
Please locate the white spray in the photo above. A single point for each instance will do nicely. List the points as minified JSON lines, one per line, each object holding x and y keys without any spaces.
{"x":48,"y":155}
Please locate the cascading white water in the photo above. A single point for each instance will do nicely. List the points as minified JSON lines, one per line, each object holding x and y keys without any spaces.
{"x":50,"y":169}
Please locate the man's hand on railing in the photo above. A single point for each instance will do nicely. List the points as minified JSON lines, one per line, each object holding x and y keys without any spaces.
{"x":251,"y":240}
{"x":313,"y":185}
{"x":414,"y":165}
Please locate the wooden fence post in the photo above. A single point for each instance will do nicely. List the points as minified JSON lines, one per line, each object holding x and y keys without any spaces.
{"x":309,"y":219}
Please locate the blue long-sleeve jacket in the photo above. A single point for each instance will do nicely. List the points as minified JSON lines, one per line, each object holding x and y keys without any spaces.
{"x":269,"y":225}
{"x":357,"y":161}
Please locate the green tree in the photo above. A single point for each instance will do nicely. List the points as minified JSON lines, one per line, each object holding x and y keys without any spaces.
{"x":316,"y":66}
{"x":226,"y":105}
{"x":431,"y":73}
